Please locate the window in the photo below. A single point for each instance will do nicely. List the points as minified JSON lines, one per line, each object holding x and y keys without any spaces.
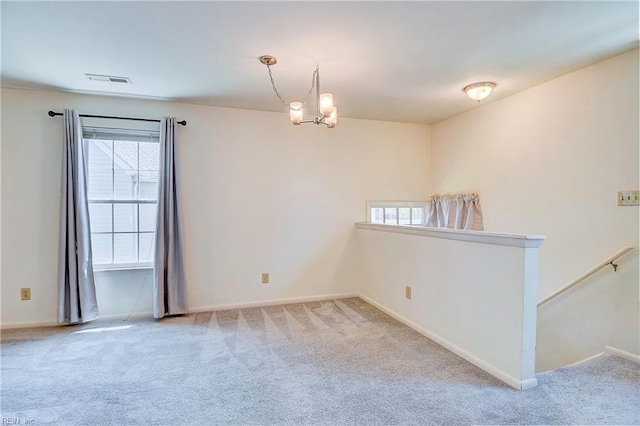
{"x":397,"y":212}
{"x":122,"y":193}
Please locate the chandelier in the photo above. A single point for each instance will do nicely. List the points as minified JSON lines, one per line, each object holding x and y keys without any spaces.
{"x":326,"y":112}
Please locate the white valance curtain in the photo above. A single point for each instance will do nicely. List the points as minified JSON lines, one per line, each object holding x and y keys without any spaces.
{"x":458,"y":211}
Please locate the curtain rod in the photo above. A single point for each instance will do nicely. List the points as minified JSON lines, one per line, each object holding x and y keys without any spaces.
{"x":53,"y":114}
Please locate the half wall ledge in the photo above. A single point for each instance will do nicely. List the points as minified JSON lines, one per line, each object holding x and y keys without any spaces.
{"x":473,"y":292}
{"x":502,"y":239}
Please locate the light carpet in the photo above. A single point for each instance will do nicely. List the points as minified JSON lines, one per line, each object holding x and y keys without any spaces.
{"x":338,"y":362}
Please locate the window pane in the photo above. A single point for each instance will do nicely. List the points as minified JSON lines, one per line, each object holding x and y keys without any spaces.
{"x":125,"y":217}
{"x":100,"y":184}
{"x":149,"y":185}
{"x":390,"y":216}
{"x":147,"y":246}
{"x":148,"y":217}
{"x":100,"y":165}
{"x":149,"y":156}
{"x":126,"y":155}
{"x":125,"y":184}
{"x":417,"y":216}
{"x":125,"y":248}
{"x":99,"y":153}
{"x":101,"y":248}
{"x":403,"y":216}
{"x":100,"y":217}
{"x":377,"y":215}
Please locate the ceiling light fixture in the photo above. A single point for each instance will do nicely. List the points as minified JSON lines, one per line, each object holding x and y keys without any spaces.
{"x":326,"y":112}
{"x":479,"y":91}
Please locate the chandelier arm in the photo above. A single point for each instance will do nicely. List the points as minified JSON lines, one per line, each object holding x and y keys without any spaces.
{"x":285,"y":103}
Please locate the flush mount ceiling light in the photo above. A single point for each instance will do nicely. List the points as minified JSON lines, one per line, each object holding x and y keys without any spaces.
{"x":326,"y":112}
{"x":479,"y":91}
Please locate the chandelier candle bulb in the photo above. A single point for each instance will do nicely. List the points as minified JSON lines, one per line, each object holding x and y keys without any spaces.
{"x":332,"y":119}
{"x":296,"y":112}
{"x":326,"y":104}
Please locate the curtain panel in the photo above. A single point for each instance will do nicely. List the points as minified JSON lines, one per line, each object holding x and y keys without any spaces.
{"x":76,"y":288}
{"x":458,"y":211}
{"x":169,"y":286}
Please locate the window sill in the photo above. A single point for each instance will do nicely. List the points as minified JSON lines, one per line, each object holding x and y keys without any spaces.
{"x":515,"y":240}
{"x":122,"y":267}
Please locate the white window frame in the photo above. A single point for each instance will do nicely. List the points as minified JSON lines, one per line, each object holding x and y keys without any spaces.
{"x":424,"y":205}
{"x":130,"y":265}
{"x":97,"y":267}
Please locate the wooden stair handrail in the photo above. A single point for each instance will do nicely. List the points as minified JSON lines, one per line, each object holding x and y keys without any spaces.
{"x":578,"y":280}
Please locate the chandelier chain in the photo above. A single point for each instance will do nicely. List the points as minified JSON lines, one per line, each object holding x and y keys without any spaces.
{"x":313,"y":85}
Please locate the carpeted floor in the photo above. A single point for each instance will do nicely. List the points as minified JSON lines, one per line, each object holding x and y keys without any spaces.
{"x":340,"y":362}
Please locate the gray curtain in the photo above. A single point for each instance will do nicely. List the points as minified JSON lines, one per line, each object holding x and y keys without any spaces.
{"x":169,"y":287}
{"x":76,"y":288}
{"x":458,"y":211}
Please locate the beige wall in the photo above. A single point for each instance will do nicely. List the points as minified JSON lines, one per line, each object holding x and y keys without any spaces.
{"x":550,"y":160}
{"x":259,"y":195}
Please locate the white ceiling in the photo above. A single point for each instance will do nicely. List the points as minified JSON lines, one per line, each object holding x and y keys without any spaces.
{"x":397,"y":61}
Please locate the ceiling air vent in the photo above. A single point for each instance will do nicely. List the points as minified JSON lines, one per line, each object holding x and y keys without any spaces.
{"x":109,"y":78}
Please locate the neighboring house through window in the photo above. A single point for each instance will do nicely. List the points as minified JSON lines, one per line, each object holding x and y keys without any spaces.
{"x":122,"y":192}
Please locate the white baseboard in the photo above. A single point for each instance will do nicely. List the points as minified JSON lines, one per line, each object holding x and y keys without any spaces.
{"x":622,"y":354}
{"x":16,"y":325}
{"x":212,"y":308}
{"x":195,"y":310}
{"x":30,"y":324}
{"x":273,"y":302}
{"x":135,"y":315}
{"x":489,"y":368}
{"x":577,"y":362}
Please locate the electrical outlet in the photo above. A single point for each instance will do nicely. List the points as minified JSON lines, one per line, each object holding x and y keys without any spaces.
{"x":265,"y":278}
{"x":627,"y":198}
{"x":25,"y":293}
{"x":407,"y":292}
